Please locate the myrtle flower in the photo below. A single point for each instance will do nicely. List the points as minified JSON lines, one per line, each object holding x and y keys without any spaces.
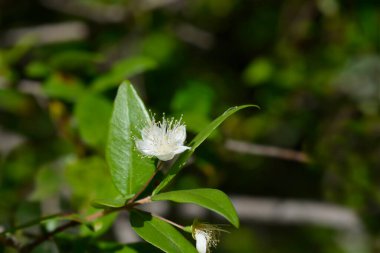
{"x":205,"y":235}
{"x":162,"y":139}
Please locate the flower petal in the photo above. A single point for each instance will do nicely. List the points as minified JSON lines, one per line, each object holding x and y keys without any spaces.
{"x":201,"y":242}
{"x":181,"y":149}
{"x":145,"y":147}
{"x":166,"y":156}
{"x":178,"y":134}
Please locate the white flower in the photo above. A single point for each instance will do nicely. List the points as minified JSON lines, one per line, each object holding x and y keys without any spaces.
{"x":162,"y":139}
{"x":201,"y":241}
{"x":205,"y":235}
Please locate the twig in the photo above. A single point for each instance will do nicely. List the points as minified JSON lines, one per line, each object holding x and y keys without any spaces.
{"x":170,"y":222}
{"x":41,"y":239}
{"x":264,"y":150}
{"x":10,"y":242}
{"x":47,"y":236}
{"x":92,"y":217}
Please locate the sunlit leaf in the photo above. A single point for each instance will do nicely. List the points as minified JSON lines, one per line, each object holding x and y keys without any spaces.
{"x":138,"y":248}
{"x":129,"y":169}
{"x":212,"y":199}
{"x":159,"y":233}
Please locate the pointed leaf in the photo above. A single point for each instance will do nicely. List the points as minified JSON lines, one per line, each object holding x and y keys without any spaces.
{"x":212,"y":199}
{"x":129,"y":169}
{"x":159,"y":233}
{"x":198,"y":139}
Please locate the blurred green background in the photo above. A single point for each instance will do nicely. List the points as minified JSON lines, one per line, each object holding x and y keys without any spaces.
{"x":303,"y":171}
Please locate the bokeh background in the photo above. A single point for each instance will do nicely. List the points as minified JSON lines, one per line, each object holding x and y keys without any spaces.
{"x":303,"y":171}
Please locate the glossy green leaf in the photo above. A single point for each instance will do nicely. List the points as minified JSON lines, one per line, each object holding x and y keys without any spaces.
{"x":212,"y":199}
{"x":93,"y":113}
{"x":159,"y":233}
{"x":138,"y":248}
{"x":198,"y":139}
{"x":129,"y":169}
{"x":111,"y":203}
{"x":123,"y":70}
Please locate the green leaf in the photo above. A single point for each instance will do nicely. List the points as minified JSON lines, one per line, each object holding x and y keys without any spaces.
{"x":89,"y":179}
{"x":47,"y":184}
{"x":212,"y":199}
{"x":123,"y":70}
{"x":14,"y":101}
{"x":37,"y":69}
{"x":138,"y":248}
{"x":63,"y":87}
{"x":93,"y":113}
{"x":159,"y":233}
{"x":129,"y":169}
{"x":259,"y":71}
{"x":111,"y":203}
{"x":198,"y":139}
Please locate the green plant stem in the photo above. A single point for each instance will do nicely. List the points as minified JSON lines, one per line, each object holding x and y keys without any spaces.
{"x":171,"y":222}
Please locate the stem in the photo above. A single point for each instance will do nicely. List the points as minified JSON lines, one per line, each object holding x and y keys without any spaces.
{"x":159,"y":166}
{"x":35,"y":222}
{"x":41,"y":239}
{"x":170,"y":222}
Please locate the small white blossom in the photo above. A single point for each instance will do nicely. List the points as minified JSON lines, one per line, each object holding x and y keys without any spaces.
{"x":206,"y":236}
{"x":162,"y":139}
{"x":201,"y":241}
